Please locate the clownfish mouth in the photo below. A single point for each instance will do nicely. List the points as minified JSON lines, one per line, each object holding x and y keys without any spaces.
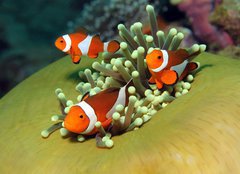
{"x":70,"y":127}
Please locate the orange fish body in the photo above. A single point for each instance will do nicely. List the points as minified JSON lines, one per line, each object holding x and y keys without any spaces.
{"x":82,"y":117}
{"x":167,"y":67}
{"x":81,"y":44}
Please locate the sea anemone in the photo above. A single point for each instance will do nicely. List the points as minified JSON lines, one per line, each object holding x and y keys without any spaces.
{"x":115,"y":70}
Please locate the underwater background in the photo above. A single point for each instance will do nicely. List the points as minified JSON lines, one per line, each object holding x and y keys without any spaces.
{"x":190,"y":126}
{"x":28,"y":29}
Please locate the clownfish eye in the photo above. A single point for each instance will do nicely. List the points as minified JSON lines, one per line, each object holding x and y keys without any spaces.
{"x":159,"y":57}
{"x":81,"y":116}
{"x":61,"y":41}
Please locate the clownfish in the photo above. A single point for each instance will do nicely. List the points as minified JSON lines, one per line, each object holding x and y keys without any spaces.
{"x":82,"y":117}
{"x":167,"y":67}
{"x":81,"y":44}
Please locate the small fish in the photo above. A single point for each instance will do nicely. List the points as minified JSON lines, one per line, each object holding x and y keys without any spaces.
{"x":82,"y":117}
{"x":167,"y":67}
{"x":81,"y":44}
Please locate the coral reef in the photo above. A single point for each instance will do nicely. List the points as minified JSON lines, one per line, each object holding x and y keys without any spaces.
{"x":198,"y":12}
{"x":105,"y":19}
{"x":169,"y":12}
{"x":118,"y":69}
{"x":227,"y":17}
{"x":231,"y":51}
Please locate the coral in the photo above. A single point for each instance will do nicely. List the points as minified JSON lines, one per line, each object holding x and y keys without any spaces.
{"x":105,"y":19}
{"x":231,"y":51}
{"x":169,"y":12}
{"x":118,"y":69}
{"x":227,"y":17}
{"x":198,"y":12}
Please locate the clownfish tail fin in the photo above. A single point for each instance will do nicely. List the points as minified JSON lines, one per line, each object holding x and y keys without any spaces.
{"x":193,"y":66}
{"x":111,"y":46}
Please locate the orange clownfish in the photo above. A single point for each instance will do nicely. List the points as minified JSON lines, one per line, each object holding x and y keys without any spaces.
{"x":82,"y":117}
{"x":81,"y":44}
{"x":167,"y":67}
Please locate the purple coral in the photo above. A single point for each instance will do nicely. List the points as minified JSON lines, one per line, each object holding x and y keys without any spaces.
{"x":227,"y":16}
{"x":198,"y":12}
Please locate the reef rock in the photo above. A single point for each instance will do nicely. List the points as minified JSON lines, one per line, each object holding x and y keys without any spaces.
{"x":227,"y":16}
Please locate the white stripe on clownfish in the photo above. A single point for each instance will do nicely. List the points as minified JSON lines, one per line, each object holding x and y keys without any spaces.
{"x":105,"y":46}
{"x":121,"y":99}
{"x":68,"y":42}
{"x":89,"y":111}
{"x":165,"y":62}
{"x":180,"y":68}
{"x":85,"y":45}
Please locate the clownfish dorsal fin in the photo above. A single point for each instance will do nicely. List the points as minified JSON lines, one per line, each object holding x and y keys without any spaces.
{"x":97,"y":36}
{"x":177,"y":57}
{"x":82,"y":30}
{"x":85,"y":96}
{"x":182,"y":54}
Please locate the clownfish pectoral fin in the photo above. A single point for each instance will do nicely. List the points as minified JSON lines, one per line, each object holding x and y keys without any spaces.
{"x":82,"y":30}
{"x":93,"y":56}
{"x":76,"y":58}
{"x":97,"y":36}
{"x":85,"y":96}
{"x":169,"y":77}
{"x":151,"y":80}
{"x":159,"y":84}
